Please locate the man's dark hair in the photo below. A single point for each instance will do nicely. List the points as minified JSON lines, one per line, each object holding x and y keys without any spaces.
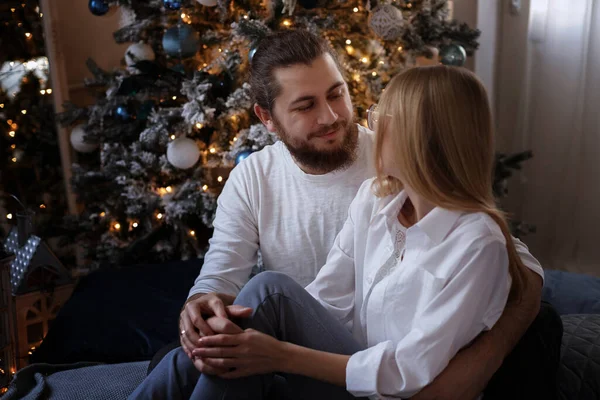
{"x":283,"y":49}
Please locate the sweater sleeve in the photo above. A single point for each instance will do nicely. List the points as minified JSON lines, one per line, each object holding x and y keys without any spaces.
{"x":234,"y":244}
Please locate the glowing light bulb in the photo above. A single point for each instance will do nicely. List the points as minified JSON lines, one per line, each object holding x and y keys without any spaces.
{"x":169,"y":189}
{"x":355,"y":9}
{"x":9,"y":216}
{"x":135,"y":224}
{"x":212,"y":150}
{"x":192,"y":233}
{"x":199,"y":125}
{"x":159,"y":216}
{"x":117,"y":226}
{"x":205,"y":187}
{"x":220,"y":179}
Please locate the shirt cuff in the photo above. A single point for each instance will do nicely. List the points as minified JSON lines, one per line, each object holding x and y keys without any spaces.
{"x":362,"y":370}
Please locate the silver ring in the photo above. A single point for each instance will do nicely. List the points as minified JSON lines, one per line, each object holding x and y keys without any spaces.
{"x":182,"y":332}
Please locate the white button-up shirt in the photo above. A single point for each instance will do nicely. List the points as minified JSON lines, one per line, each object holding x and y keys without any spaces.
{"x":412,"y":312}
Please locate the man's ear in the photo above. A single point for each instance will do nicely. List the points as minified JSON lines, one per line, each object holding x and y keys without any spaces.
{"x":265,"y":117}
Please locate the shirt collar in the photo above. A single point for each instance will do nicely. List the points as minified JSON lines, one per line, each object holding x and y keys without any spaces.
{"x":436,"y":224}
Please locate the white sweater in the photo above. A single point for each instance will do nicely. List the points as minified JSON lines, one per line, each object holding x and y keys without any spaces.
{"x":294,"y":217}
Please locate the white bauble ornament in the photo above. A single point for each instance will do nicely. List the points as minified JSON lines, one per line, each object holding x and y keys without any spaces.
{"x":77,"y":142}
{"x":208,"y":3}
{"x":386,"y":22}
{"x":139,"y":52}
{"x":183,"y":153}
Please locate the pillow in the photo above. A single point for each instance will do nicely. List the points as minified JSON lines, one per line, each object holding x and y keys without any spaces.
{"x":572,"y":293}
{"x":120,"y":314}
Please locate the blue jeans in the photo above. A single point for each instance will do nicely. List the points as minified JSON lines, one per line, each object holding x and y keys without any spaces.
{"x":282,"y":309}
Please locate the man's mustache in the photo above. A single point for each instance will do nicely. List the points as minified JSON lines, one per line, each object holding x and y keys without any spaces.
{"x":324,"y":131}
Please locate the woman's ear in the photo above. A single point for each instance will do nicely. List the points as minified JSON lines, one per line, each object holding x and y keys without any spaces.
{"x":265,"y":117}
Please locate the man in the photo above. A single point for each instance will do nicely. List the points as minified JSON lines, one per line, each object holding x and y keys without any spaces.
{"x":290,"y":200}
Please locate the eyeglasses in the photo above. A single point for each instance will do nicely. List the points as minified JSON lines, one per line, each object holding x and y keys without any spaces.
{"x":372,"y":116}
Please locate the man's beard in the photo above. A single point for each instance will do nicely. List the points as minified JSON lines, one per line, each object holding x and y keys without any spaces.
{"x":323,"y":161}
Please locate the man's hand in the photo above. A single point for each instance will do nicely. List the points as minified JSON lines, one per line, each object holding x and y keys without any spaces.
{"x":192,"y":325}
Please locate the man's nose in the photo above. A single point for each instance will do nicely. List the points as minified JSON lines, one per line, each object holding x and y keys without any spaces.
{"x":326,"y":115}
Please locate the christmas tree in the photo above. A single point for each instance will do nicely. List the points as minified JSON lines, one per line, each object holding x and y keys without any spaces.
{"x":29,"y":153}
{"x":167,"y":128}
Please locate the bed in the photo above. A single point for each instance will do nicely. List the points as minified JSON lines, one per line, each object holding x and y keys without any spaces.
{"x":102,"y":341}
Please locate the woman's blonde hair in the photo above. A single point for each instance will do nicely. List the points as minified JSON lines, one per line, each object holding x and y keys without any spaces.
{"x":438,"y":122}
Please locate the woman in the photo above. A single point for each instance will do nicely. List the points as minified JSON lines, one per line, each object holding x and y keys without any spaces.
{"x":423,"y":265}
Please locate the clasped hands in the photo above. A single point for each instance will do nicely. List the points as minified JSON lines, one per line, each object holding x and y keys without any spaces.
{"x":217,"y":346}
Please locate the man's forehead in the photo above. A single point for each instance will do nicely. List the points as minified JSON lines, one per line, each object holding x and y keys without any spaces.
{"x":308,"y":80}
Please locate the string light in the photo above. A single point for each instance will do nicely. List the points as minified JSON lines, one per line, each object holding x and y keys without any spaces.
{"x":2,"y":105}
{"x":220,"y":179}
{"x":43,"y":206}
{"x":28,"y":35}
{"x":364,"y":60}
{"x":205,"y":187}
{"x":348,"y":41}
{"x":235,"y":139}
{"x":117,"y":226}
{"x":174,"y":97}
{"x":159,"y":216}
{"x":23,"y":112}
{"x":13,"y":146}
{"x":11,"y":133}
{"x":374,"y":73}
{"x":355,"y":9}
{"x":199,"y":125}
{"x":14,"y":127}
{"x":192,"y":233}
{"x":42,"y":91}
{"x":9,"y":216}
{"x":350,"y":50}
{"x":382,"y":62}
{"x":49,"y":91}
{"x":135,"y":224}
{"x":399,"y":48}
{"x":287,"y":22}
{"x":169,"y":189}
{"x":102,"y":214}
{"x":14,"y":159}
{"x":172,"y":137}
{"x":213,"y":150}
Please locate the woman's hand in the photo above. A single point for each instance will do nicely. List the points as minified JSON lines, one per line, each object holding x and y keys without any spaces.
{"x":245,"y":354}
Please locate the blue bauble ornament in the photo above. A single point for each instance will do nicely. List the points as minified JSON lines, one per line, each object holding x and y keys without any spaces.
{"x":251,"y":54}
{"x":181,"y":41}
{"x":98,"y":7}
{"x":242,"y":155}
{"x":145,"y":109}
{"x":172,"y":5}
{"x":454,"y":55}
{"x":123,"y":113}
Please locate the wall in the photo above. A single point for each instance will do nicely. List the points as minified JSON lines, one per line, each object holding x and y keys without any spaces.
{"x":82,"y":35}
